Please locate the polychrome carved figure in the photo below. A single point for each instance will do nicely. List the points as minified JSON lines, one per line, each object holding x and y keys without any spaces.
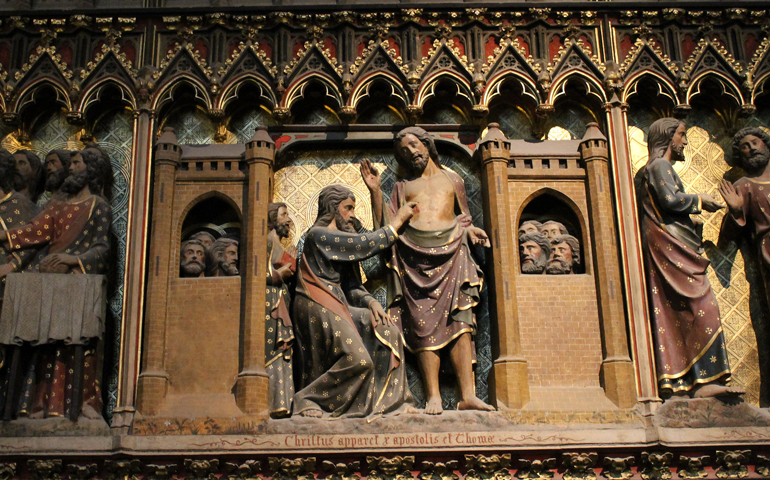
{"x":565,"y":255}
{"x":434,"y":282}
{"x":687,"y":332}
{"x":535,"y":250}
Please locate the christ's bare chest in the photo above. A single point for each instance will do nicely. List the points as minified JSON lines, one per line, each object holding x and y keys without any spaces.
{"x":435,"y":197}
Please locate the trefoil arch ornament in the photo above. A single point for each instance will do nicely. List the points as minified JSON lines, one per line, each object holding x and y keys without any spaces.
{"x":232,"y":91}
{"x":362,"y":89}
{"x":165,"y":94}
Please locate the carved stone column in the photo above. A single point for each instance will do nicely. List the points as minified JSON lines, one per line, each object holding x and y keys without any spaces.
{"x":509,"y":374}
{"x":153,"y":381}
{"x":631,"y":255}
{"x":252,"y":385}
{"x":133,"y":286}
{"x":617,"y":368}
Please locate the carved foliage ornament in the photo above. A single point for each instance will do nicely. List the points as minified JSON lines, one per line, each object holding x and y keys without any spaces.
{"x":396,"y":468}
{"x":341,"y":471}
{"x":7,"y":471}
{"x":437,"y":47}
{"x":439,"y":470}
{"x":638,"y":48}
{"x":536,"y":469}
{"x":161,"y":472}
{"x":617,"y":468}
{"x":692,"y":467}
{"x":292,"y":469}
{"x":732,"y":463}
{"x":201,"y":469}
{"x":487,"y":468}
{"x":45,"y":469}
{"x":245,"y":471}
{"x":656,"y":466}
{"x":371,"y":49}
{"x":580,"y":466}
{"x":194,"y":53}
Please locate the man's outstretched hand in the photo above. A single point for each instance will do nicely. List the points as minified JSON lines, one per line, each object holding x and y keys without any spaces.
{"x":478,"y":236}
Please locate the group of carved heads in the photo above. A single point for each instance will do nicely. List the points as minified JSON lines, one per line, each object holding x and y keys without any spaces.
{"x":203,"y":255}
{"x":547,"y":248}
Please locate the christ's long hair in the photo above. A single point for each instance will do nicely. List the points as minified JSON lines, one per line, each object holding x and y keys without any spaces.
{"x":424,"y":137}
{"x":660,"y":136}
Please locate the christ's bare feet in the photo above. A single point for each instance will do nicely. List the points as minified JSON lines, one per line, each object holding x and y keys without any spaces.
{"x":722,"y":392}
{"x":433,"y":406}
{"x":312,"y":413}
{"x":474,"y":403}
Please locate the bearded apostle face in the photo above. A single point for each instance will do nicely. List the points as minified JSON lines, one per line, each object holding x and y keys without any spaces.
{"x":282,"y":223}
{"x":78,"y":176}
{"x":223,"y":258}
{"x":193,"y":256}
{"x":565,"y":254}
{"x":346,"y":216}
{"x":230,"y":260}
{"x":533,"y":257}
{"x":754,"y":153}
{"x":56,"y":169}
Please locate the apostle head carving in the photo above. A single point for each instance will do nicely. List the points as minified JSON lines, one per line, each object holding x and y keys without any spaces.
{"x":552,"y":229}
{"x":278,"y":219}
{"x":565,"y":255}
{"x":337,"y":203}
{"x":751,"y":150}
{"x":89,"y":168}
{"x":414,"y":148}
{"x":192,"y":262}
{"x":664,"y":134}
{"x":29,"y":174}
{"x":205,"y":238}
{"x":530,"y":226}
{"x":223,"y":258}
{"x":535,"y":251}
{"x":57,"y":164}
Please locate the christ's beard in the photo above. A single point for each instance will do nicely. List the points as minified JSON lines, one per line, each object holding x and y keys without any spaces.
{"x":537,"y":265}
{"x":55,"y":179}
{"x":678,"y":151}
{"x":557,"y":266}
{"x":419,"y":164}
{"x":756,"y":162}
{"x":192,"y":268}
{"x":75,"y":182}
{"x":348,"y":226}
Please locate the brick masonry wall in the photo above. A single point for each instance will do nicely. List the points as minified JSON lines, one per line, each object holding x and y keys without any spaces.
{"x":203,"y":334}
{"x":558,"y":315}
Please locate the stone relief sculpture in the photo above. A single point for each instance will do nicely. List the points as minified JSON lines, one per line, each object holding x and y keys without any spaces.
{"x":206,"y":239}
{"x":352,"y":355}
{"x":279,"y":334}
{"x":565,"y":255}
{"x":687,"y":333}
{"x":30,"y":174}
{"x":193,"y":258}
{"x":434,"y":282}
{"x":530,"y":226}
{"x":747,"y":203}
{"x":57,"y":164}
{"x":552,"y":229}
{"x":73,"y":235}
{"x":535,"y":250}
{"x":222,"y":260}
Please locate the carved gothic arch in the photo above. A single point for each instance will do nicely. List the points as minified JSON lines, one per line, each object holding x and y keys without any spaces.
{"x":579,"y":214}
{"x":296,"y":89}
{"x":493,"y":86}
{"x":593,"y":86}
{"x":728,"y":85}
{"x":426,"y":90}
{"x":165,"y":93}
{"x":361,"y":88}
{"x":26,"y":96}
{"x":231,"y":90}
{"x":205,"y":196}
{"x":92,"y":92}
{"x":665,"y":86}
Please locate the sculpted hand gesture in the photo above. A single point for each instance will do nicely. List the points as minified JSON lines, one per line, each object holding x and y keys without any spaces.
{"x":733,"y":200}
{"x":404,"y":214}
{"x":379,"y":314}
{"x":370,"y":175}
{"x":478,"y":236}
{"x":709,"y":203}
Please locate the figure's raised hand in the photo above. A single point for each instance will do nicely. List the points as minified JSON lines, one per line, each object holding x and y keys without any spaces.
{"x":732,"y":198}
{"x":478,"y":236}
{"x":709,"y":203}
{"x":370,"y":175}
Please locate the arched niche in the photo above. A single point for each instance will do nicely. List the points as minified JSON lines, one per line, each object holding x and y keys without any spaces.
{"x":381,"y":104}
{"x":513,"y":108}
{"x":317,"y":105}
{"x":446,"y":102}
{"x":575,"y":107}
{"x":213,"y":213}
{"x":551,"y":205}
{"x":187,"y":115}
{"x":248,"y":109}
